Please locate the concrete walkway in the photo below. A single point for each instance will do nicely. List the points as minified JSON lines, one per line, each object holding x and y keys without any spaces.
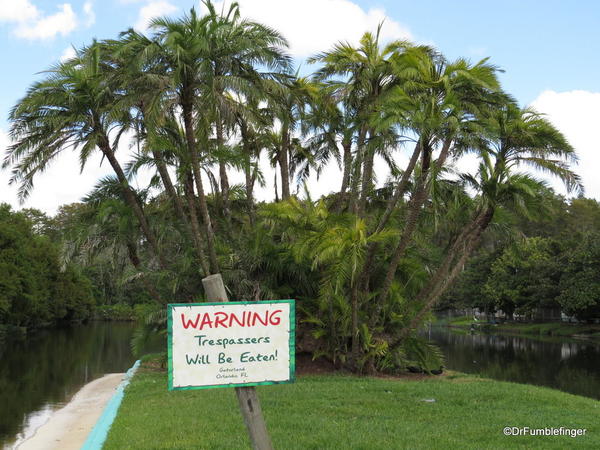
{"x":69,"y":427}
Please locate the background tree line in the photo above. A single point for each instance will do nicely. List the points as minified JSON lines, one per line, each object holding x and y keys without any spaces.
{"x":201,"y":96}
{"x":549,"y":263}
{"x":35,"y":288}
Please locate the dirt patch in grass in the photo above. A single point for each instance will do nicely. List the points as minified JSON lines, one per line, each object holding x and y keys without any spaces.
{"x":153,"y":363}
{"x":306,"y":365}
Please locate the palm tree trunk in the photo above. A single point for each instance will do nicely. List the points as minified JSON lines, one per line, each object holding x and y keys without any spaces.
{"x":214,"y":184}
{"x":400,"y":189}
{"x":454,"y":250}
{"x":223,"y":171}
{"x":191,"y":142}
{"x":168,"y":184}
{"x":445,"y":276}
{"x":192,"y":222}
{"x":367,"y":177}
{"x":391,"y":204}
{"x":249,"y":191}
{"x":347,"y":168}
{"x":355,"y":350}
{"x":283,"y":159}
{"x":248,"y":172}
{"x":224,"y":182}
{"x":332,"y":329}
{"x":161,"y":166}
{"x":414,"y":211}
{"x":188,"y":188}
{"x":132,"y":200}
{"x":347,"y":161}
{"x":356,"y":176}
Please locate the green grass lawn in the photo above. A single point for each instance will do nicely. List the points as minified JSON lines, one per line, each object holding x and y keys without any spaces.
{"x":552,"y":329}
{"x":348,"y":412}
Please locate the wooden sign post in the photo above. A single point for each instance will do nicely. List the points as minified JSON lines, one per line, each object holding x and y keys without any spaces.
{"x":232,"y":344}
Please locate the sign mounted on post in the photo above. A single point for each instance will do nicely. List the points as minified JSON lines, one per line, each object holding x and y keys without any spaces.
{"x":231,"y":344}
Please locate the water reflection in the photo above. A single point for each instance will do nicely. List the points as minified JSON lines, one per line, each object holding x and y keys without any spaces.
{"x":41,"y":373}
{"x":568,"y":365}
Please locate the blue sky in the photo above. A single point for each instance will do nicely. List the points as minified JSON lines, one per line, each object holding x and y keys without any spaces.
{"x":548,"y":49}
{"x":540,"y":44}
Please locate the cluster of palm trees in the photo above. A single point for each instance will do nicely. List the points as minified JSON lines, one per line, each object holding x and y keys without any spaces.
{"x":205,"y":95}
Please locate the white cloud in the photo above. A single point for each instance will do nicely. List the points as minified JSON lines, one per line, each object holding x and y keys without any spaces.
{"x":62,"y":182}
{"x":88,"y":12}
{"x":67,"y":54}
{"x":577,"y":115}
{"x":46,"y":27}
{"x":17,"y":11}
{"x":151,"y":10}
{"x":31,"y":23}
{"x":313,"y":26}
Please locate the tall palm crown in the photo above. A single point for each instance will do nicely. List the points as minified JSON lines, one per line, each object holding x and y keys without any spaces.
{"x":76,"y":106}
{"x":288,"y":103}
{"x":360,"y":76}
{"x":212,"y":55}
{"x":365,"y":70}
{"x":73,"y":107}
{"x":208,"y":65}
{"x":516,"y":138}
{"x":438,"y":98}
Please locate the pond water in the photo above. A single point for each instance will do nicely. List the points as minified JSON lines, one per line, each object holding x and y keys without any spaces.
{"x":566,"y":364}
{"x":41,"y":373}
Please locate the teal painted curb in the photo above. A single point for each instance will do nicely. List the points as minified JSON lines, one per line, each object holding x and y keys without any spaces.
{"x":98,"y":435}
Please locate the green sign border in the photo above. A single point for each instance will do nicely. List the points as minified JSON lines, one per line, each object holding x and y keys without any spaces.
{"x":292,"y":344}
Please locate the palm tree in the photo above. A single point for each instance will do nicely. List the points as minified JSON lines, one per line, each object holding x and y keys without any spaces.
{"x":175,"y":52}
{"x":157,"y":130}
{"x":329,"y":124}
{"x":107,"y":230}
{"x":287,"y":100}
{"x":209,"y":63}
{"x":253,"y":139}
{"x":167,"y":145}
{"x":73,"y":107}
{"x":366,"y":75}
{"x":513,"y":137}
{"x":235,"y":49}
{"x":440,"y":102}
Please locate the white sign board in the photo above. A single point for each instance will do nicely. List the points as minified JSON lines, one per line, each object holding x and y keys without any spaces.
{"x":231,"y":344}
